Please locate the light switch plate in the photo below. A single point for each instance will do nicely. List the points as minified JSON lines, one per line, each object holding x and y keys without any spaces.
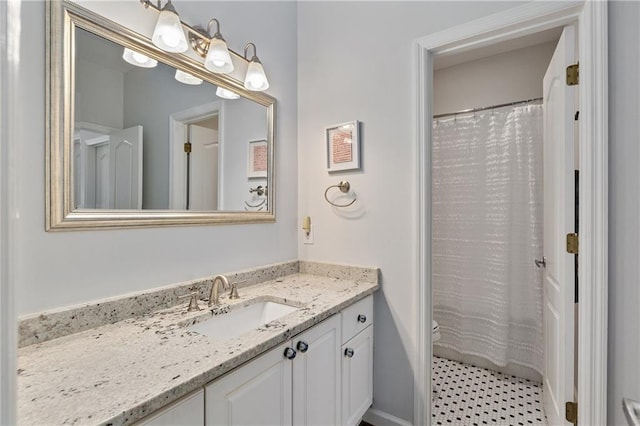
{"x":307,"y":239}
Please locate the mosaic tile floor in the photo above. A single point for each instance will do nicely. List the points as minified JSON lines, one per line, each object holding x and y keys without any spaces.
{"x":468,"y":395}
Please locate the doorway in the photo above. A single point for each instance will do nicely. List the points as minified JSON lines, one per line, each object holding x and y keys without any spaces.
{"x":518,"y":22}
{"x":196,"y":173}
{"x":499,"y":308}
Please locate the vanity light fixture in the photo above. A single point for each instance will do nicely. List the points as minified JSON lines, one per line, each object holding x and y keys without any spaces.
{"x":186,"y":78}
{"x":218,"y":59}
{"x":138,"y":59}
{"x":168,"y":34}
{"x":226,"y":93}
{"x":255,"y":79}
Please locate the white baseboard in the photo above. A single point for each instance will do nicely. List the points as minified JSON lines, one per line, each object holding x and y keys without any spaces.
{"x":380,"y":418}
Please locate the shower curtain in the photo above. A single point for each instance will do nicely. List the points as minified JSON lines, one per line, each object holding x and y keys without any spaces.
{"x":487,"y":230}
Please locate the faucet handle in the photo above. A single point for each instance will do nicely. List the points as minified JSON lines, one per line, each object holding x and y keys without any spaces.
{"x":233,"y":294}
{"x":234,"y":291}
{"x":193,"y":301}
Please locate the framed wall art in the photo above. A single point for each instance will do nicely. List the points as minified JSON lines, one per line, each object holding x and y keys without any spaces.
{"x":343,"y":146}
{"x":257,"y":159}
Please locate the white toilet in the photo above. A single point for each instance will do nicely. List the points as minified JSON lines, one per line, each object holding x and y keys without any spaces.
{"x":435,"y":332}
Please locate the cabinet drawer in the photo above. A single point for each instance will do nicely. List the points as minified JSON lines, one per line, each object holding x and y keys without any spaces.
{"x":356,"y":318}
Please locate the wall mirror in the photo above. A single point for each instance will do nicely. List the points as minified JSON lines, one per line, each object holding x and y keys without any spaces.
{"x":148,"y":146}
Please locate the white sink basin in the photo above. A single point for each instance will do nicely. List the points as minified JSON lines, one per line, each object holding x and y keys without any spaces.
{"x":240,"y":320}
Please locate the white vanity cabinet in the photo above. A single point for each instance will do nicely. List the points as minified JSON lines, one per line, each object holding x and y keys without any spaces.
{"x":296,"y":383}
{"x":187,"y":411}
{"x":357,"y":361}
{"x":323,"y":376}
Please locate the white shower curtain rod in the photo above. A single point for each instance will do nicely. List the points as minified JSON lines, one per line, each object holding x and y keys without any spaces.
{"x":468,"y":111}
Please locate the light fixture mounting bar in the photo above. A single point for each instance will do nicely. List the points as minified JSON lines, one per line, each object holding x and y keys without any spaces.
{"x":199,"y":43}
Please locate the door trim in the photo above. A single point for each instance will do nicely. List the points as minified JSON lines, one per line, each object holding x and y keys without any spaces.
{"x":592,"y":313}
{"x":9,"y":152}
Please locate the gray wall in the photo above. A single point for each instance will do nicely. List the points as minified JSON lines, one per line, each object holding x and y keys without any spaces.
{"x":624,"y":192}
{"x":58,"y":269}
{"x":506,"y":77}
{"x":244,"y":121}
{"x":99,"y":95}
{"x":151,"y":96}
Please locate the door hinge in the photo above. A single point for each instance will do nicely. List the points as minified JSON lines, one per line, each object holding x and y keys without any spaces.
{"x":571,"y":412}
{"x":573,"y":74}
{"x":572,"y":243}
{"x":187,"y":147}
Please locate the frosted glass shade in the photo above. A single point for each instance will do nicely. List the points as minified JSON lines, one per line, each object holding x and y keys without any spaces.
{"x":218,"y":59}
{"x":255,"y":78}
{"x":138,"y":59}
{"x":186,"y":78}
{"x":226,"y":94}
{"x":168,"y":34}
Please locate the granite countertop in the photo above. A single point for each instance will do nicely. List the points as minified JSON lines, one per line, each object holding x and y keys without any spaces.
{"x":119,"y":373}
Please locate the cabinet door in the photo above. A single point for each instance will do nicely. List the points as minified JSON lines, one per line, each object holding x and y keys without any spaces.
{"x":357,"y":376}
{"x":258,"y":393}
{"x":316,"y":375}
{"x":188,"y":411}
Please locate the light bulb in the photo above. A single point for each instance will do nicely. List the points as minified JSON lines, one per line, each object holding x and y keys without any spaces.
{"x":186,"y":78}
{"x":256,"y":79}
{"x":218,"y":59}
{"x":226,"y":94}
{"x":138,"y":59}
{"x":170,"y":37}
{"x":168,"y":34}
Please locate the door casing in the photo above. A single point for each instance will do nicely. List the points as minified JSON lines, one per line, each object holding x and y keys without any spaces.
{"x":530,"y":18}
{"x":10,"y":79}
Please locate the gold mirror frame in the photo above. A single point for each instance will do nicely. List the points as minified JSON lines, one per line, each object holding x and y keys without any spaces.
{"x":62,"y":19}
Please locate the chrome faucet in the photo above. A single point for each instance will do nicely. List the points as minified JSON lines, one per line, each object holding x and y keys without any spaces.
{"x":214,"y":297}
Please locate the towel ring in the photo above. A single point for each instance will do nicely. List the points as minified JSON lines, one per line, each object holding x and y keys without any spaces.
{"x":344,"y":187}
{"x":256,"y":205}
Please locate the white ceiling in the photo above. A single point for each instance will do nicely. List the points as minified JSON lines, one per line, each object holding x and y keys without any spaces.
{"x":446,"y":60}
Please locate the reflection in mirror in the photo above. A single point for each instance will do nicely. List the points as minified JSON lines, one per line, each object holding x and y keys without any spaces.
{"x":148,"y":136}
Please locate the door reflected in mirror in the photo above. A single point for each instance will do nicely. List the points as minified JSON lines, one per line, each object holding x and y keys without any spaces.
{"x":147,"y":136}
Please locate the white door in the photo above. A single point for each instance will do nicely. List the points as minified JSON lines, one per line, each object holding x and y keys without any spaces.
{"x":203,"y":184}
{"x":559,"y":109}
{"x":258,"y":393}
{"x":316,"y":375}
{"x":101,"y":194}
{"x":125,"y":168}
